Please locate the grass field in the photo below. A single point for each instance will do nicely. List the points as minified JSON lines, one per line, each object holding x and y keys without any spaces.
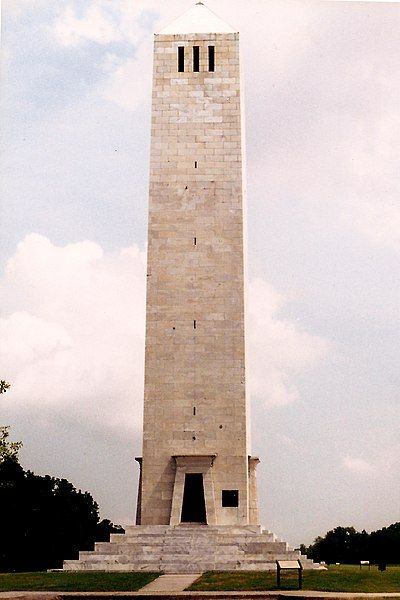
{"x":343,"y":578}
{"x":75,"y":582}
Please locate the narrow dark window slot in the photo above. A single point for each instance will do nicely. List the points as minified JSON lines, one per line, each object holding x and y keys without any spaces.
{"x":195,"y":324}
{"x":195,"y":241}
{"x":211,"y":58}
{"x":194,"y":411}
{"x":181,"y":59}
{"x":196,"y":59}
{"x":195,"y":164}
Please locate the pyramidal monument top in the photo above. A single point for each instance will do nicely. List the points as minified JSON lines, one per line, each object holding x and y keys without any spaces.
{"x":197,"y":19}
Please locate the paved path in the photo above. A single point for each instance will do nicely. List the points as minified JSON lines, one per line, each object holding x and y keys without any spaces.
{"x":179,"y":595}
{"x":170,"y":583}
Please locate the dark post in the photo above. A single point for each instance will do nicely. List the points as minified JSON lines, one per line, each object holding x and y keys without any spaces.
{"x":139,"y":496}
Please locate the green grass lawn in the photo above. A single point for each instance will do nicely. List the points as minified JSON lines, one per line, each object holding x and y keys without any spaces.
{"x":75,"y":582}
{"x":343,"y":578}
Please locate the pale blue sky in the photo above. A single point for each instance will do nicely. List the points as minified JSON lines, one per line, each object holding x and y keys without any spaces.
{"x":322,"y":127}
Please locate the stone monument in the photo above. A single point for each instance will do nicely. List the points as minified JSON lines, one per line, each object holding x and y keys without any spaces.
{"x":197,"y":501}
{"x":196,"y":464}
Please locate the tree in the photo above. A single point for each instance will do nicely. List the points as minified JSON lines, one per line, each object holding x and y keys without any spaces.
{"x":44,"y":520}
{"x":4,"y":385}
{"x":346,"y":545}
{"x":8,"y":450}
{"x":385,"y":544}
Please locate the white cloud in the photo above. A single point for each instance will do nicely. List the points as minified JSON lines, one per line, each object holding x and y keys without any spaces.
{"x":358,"y":465}
{"x":73,"y":337}
{"x":17,"y":7}
{"x":129,"y":82}
{"x":380,"y":222}
{"x":327,"y":131}
{"x":103,"y":22}
{"x":28,"y":338}
{"x":73,"y":333}
{"x":278,"y":348}
{"x":372,"y":163}
{"x":93,"y":26}
{"x":286,"y":31}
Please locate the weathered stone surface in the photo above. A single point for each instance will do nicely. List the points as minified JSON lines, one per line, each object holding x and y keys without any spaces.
{"x":195,"y":388}
{"x":188,"y":549}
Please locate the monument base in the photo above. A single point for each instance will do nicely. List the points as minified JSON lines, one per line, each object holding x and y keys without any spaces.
{"x":188,"y":548}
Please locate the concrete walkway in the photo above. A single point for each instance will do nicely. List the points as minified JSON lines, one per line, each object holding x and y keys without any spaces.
{"x":180,"y":595}
{"x":170,"y":583}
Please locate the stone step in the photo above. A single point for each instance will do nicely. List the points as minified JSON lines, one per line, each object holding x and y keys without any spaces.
{"x":145,"y":528}
{"x":202,"y":539}
{"x":141,"y":531}
{"x":173,"y":544}
{"x":108,"y":566}
{"x":173,"y":566}
{"x":221,"y":553}
{"x":127,"y":547}
{"x":237,"y":529}
{"x":187,"y":549}
{"x":115,"y":558}
{"x":244,"y":538}
{"x":178,"y":554}
{"x":138,"y":539}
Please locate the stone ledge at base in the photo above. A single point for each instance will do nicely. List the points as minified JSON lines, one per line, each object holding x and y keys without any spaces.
{"x":188,"y":549}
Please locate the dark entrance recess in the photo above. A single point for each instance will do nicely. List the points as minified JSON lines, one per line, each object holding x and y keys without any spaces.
{"x":193,"y":505}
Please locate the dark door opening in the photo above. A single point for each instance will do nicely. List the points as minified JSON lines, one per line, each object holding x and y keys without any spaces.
{"x":193,"y":505}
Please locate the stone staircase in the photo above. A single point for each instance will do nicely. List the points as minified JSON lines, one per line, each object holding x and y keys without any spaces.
{"x":188,"y":549}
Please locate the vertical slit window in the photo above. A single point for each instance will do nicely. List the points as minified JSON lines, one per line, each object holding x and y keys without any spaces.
{"x":211,"y":58}
{"x":195,"y":324}
{"x":194,"y":411}
{"x":196,"y":59}
{"x":181,"y":59}
{"x":195,"y":241}
{"x":195,"y":164}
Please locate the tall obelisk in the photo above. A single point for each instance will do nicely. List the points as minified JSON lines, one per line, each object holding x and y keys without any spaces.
{"x":196,"y":465}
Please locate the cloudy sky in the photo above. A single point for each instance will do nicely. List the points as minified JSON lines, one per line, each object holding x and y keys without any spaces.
{"x":322,"y":91}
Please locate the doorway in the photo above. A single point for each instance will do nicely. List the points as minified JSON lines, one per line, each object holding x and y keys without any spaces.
{"x":193,"y":505}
